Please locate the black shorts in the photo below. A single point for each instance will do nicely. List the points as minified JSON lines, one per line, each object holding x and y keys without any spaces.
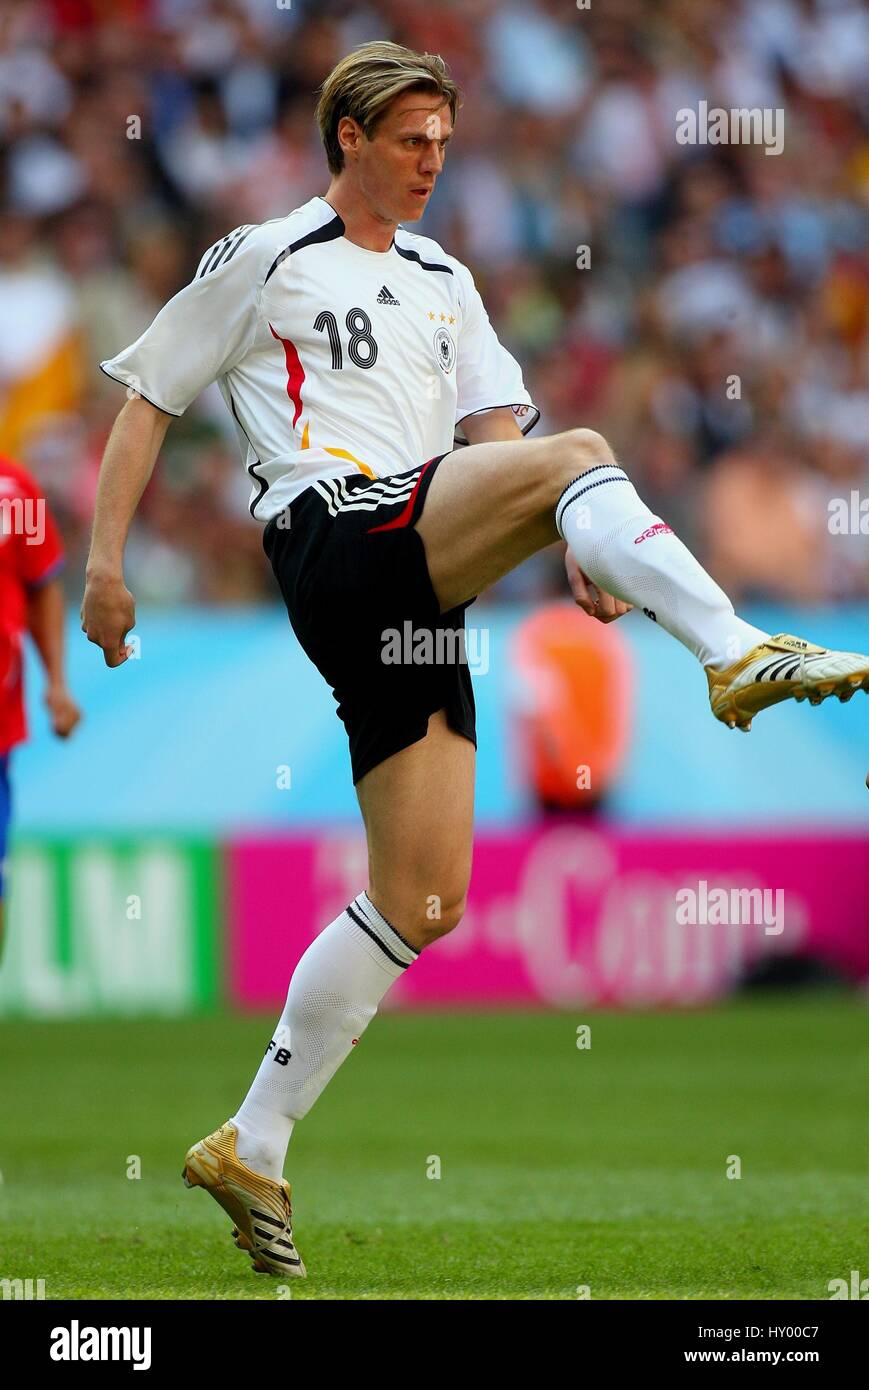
{"x":352,"y":571}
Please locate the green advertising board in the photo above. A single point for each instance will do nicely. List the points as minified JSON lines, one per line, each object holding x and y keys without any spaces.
{"x":115,"y":926}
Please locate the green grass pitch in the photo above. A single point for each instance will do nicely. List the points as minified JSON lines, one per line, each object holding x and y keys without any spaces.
{"x":560,"y":1168}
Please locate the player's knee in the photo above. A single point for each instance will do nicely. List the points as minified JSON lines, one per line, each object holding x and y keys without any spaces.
{"x":565,"y":457}
{"x":441,"y":916}
{"x":581,"y":449}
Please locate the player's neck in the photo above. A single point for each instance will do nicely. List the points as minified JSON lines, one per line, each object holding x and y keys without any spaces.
{"x":360,"y":224}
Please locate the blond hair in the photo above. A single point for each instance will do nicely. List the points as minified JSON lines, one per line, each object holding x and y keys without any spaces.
{"x":364,"y":83}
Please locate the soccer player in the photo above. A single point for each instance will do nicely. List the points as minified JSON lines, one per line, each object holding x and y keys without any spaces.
{"x":381,"y":423}
{"x":31,"y":600}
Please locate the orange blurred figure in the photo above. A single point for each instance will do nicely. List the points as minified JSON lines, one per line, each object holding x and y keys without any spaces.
{"x":576,"y":705}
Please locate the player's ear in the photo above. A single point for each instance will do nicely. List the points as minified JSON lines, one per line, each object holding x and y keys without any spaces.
{"x":349,"y":135}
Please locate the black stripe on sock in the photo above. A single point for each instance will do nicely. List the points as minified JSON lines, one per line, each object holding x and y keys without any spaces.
{"x":368,"y":932}
{"x":391,"y":928}
{"x":595,"y":469}
{"x":563,"y":503}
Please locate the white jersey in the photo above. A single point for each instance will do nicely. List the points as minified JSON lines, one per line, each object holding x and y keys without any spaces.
{"x":334,"y":360}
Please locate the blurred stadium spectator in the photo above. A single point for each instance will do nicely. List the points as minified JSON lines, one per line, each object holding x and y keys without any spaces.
{"x":719,"y":337}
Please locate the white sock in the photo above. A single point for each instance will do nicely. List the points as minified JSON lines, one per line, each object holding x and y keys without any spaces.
{"x":333,"y":996}
{"x":627,"y":550}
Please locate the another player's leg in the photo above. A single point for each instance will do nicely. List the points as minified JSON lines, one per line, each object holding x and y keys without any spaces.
{"x":492,"y":505}
{"x":5,"y":812}
{"x":418,"y":808}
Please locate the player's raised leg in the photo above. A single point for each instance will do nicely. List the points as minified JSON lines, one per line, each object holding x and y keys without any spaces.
{"x":492,"y":505}
{"x":418,"y":810}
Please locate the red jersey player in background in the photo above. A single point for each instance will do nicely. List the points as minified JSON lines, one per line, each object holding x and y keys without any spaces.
{"x":31,"y":600}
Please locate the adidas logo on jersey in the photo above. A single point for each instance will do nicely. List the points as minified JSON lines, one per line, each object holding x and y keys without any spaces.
{"x":387,"y":297}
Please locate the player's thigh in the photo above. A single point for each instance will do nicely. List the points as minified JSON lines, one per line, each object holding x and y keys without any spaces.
{"x":490,"y":506}
{"x":418,"y":809}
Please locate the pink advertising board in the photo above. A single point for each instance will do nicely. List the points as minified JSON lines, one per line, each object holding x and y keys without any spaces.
{"x":570,"y":914}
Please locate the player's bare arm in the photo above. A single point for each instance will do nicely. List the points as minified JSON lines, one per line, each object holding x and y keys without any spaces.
{"x":108,"y":610}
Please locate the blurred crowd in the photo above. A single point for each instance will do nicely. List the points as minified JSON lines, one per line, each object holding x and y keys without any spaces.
{"x":716,"y":331}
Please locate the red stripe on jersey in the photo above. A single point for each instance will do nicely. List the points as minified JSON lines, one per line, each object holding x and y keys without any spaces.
{"x":404,"y":517}
{"x":295,"y":373}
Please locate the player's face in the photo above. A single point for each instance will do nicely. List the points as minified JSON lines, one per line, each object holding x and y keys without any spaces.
{"x":399,"y":166}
